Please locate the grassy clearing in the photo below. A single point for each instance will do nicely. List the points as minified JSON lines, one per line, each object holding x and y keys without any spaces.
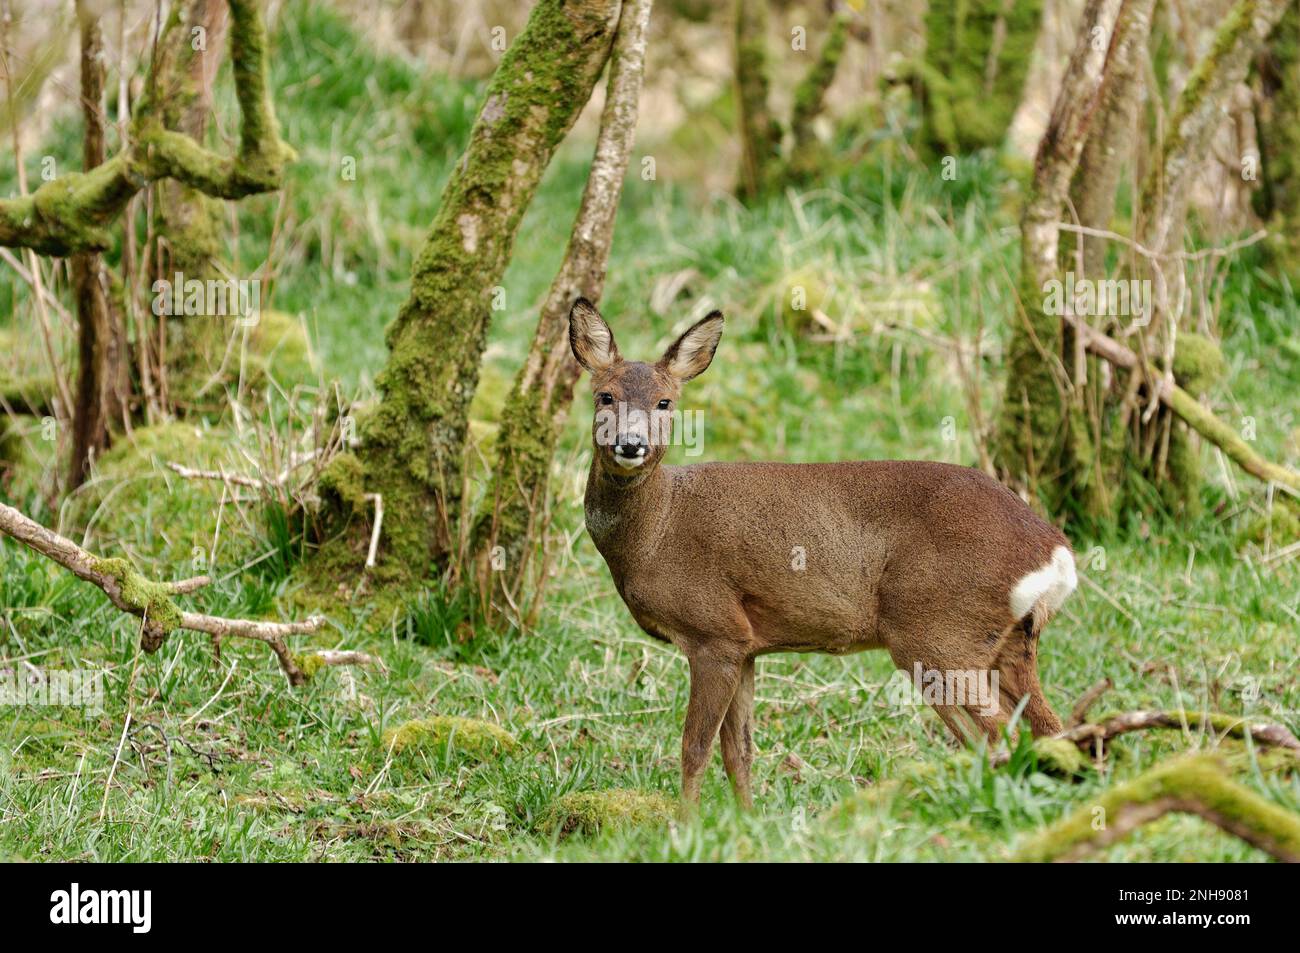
{"x":220,"y":760}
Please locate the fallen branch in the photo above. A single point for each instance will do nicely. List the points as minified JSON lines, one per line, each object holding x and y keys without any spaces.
{"x":152,"y":601}
{"x":1087,"y":736}
{"x":1080,"y":710}
{"x":1195,"y":784}
{"x":1189,"y":409}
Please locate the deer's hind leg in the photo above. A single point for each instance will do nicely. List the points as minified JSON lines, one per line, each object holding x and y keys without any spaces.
{"x":1017,"y":663}
{"x":737,"y":736}
{"x":966,"y":718}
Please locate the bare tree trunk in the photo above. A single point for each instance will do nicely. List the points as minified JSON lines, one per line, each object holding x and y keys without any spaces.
{"x":414,"y":440}
{"x":100,"y":350}
{"x":543,"y":389}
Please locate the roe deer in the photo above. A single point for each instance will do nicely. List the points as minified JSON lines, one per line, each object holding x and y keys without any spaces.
{"x":940,"y":565}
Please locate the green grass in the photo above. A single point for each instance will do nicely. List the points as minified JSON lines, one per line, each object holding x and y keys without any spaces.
{"x":222,"y":760}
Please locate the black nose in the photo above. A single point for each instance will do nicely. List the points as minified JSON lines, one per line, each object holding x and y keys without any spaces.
{"x":630,"y":445}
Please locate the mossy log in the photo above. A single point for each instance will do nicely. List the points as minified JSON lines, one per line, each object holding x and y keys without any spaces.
{"x":543,"y":388}
{"x":72,"y":212}
{"x":414,"y":440}
{"x":1195,"y":784}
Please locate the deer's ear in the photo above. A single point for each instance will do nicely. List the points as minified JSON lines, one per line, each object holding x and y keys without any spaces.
{"x":590,"y":337}
{"x":691,"y":353}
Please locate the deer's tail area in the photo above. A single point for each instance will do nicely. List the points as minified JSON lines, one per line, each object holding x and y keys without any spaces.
{"x":1034,"y":600}
{"x":1036,"y":597}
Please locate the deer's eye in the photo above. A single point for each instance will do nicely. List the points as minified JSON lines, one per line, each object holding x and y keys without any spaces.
{"x":665,"y":404}
{"x":605,"y":399}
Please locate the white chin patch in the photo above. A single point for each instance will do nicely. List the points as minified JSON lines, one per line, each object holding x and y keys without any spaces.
{"x":628,"y":462}
{"x":1045,"y":588}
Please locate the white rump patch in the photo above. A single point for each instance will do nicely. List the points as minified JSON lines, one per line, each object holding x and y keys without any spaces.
{"x":1045,"y":589}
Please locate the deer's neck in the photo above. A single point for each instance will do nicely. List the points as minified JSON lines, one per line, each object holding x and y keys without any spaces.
{"x":626,"y":517}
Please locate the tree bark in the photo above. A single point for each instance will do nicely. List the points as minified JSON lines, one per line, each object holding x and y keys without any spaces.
{"x":101,"y":354}
{"x":1032,"y":409}
{"x":543,"y":388}
{"x":1278,"y":124}
{"x":413,"y":442}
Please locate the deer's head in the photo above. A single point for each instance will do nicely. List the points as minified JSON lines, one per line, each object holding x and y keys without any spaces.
{"x":634,"y":401}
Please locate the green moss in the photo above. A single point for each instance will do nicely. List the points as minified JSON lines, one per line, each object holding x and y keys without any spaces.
{"x":342,"y":484}
{"x":134,"y":500}
{"x":481,"y":740}
{"x":309,"y":663}
{"x":803,"y":291}
{"x":590,"y":812}
{"x":150,"y":598}
{"x":1059,"y":757}
{"x":1198,"y":363}
{"x":276,"y":348}
{"x":1280,"y":524}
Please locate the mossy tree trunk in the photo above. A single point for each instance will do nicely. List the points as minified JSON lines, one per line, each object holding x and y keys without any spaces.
{"x":1030,"y":427}
{"x":413,"y":441}
{"x":187,"y":222}
{"x":513,"y":512}
{"x":102,"y":381}
{"x":188,"y":226}
{"x":74,"y":212}
{"x":1092,"y":453}
{"x":764,"y":165}
{"x":972,"y":76}
{"x":1278,"y":124}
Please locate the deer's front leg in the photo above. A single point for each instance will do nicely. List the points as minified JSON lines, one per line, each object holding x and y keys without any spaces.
{"x":738,"y":736}
{"x":714,"y":681}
